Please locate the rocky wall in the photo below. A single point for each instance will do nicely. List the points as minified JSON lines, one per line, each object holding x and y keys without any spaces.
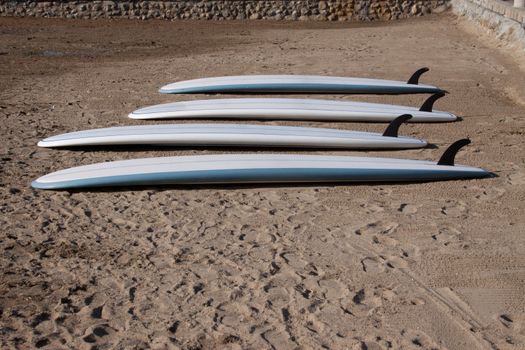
{"x":330,"y":10}
{"x":499,"y":18}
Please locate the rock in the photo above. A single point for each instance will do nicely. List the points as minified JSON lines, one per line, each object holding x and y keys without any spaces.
{"x":108,"y":5}
{"x":440,"y":9}
{"x":153,"y":13}
{"x":256,"y":16}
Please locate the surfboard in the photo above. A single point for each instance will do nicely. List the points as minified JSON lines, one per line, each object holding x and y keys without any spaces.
{"x":236,"y":135}
{"x":292,"y":109}
{"x":257,"y":168}
{"x":299,"y":84}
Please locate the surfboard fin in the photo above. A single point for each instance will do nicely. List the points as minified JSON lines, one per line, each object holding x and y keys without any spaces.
{"x":393,"y":128}
{"x":414,"y":79}
{"x":429,"y":103}
{"x":450,"y":153}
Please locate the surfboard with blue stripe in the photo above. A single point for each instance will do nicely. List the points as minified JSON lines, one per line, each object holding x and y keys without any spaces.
{"x":257,"y":168}
{"x":299,"y":84}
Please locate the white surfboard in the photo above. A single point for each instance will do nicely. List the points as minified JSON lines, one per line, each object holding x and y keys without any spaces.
{"x":300,"y":84}
{"x":258,"y":168}
{"x":292,"y":109}
{"x":235,"y":135}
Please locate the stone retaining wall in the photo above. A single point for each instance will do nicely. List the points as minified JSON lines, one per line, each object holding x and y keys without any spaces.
{"x":329,"y":10}
{"x":498,"y":17}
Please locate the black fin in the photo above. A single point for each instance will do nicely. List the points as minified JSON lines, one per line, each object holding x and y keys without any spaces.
{"x":414,"y":79}
{"x":393,"y":127}
{"x":448,"y":156}
{"x":429,"y":103}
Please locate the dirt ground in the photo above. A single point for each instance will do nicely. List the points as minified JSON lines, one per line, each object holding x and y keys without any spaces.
{"x":418,"y":266}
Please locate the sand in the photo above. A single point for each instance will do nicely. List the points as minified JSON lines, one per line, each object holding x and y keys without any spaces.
{"x":417,"y":266}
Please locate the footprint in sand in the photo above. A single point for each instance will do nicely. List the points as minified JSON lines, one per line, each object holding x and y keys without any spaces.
{"x":278,"y":339}
{"x":513,"y":321}
{"x":367,"y":296}
{"x":369,"y":300}
{"x":396,"y":262}
{"x":487,"y":194}
{"x":507,"y":320}
{"x":302,"y":221}
{"x":447,"y":235}
{"x":333,"y":289}
{"x":410,"y":251}
{"x":418,"y":339}
{"x":454,"y":208}
{"x":383,"y":191}
{"x":43,"y":324}
{"x":400,"y":256}
{"x":99,"y":336}
{"x":517,"y":179}
{"x":368,"y":345}
{"x":417,"y":301}
{"x":294,"y":261}
{"x":407,"y":208}
{"x":373,"y":208}
{"x":373,"y":265}
{"x":377,"y":227}
{"x":313,"y":325}
{"x":385,"y":241}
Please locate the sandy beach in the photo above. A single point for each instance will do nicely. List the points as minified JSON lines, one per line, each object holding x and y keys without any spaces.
{"x":416,"y":266}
